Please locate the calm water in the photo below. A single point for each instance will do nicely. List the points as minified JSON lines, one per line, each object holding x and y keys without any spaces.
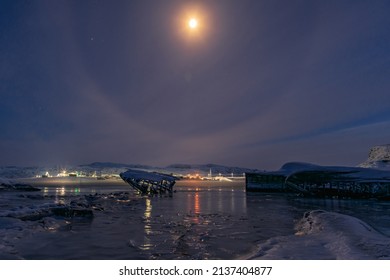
{"x":202,"y":220}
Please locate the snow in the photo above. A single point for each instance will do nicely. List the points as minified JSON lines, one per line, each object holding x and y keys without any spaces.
{"x":356,"y":173}
{"x":327,"y":235}
{"x":12,"y":185}
{"x":5,"y":182}
{"x":379,"y":158}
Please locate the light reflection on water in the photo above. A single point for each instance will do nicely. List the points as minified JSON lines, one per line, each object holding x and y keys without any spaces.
{"x":147,"y":245}
{"x":76,"y":190}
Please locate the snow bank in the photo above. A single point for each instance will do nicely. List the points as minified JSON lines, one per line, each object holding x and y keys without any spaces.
{"x":327,"y":235}
{"x":8,"y":185}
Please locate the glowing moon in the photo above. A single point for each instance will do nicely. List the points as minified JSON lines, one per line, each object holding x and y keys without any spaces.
{"x":193,"y":23}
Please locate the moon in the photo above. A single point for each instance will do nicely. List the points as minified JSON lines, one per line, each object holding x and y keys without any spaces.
{"x":193,"y":23}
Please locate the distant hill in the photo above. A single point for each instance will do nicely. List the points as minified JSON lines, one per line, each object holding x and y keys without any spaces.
{"x":179,"y":168}
{"x":100,"y":165}
{"x":205,"y":169}
{"x":12,"y":172}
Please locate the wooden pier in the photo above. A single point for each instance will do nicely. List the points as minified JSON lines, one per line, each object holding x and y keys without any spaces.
{"x":313,"y":180}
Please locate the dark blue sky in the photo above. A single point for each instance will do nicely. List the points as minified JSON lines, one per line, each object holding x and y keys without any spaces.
{"x":259,"y":83}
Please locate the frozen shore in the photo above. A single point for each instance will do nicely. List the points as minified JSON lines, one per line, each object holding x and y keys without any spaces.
{"x":85,"y":219}
{"x":327,"y":235}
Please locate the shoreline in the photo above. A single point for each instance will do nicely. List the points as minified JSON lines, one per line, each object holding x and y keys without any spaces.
{"x":85,"y":181}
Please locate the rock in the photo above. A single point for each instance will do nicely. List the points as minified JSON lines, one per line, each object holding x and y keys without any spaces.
{"x":6,"y":185}
{"x":379,"y":157}
{"x":69,"y":212}
{"x":34,"y":215}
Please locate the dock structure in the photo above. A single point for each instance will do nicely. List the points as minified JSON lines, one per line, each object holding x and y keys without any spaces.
{"x":324,"y":181}
{"x":149,"y":183}
{"x":265,"y":182}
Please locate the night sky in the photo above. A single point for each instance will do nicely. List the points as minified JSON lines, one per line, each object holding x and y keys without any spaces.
{"x":258,"y":83}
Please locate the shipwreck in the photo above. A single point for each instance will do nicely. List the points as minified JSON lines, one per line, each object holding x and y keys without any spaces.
{"x":324,"y":181}
{"x":149,"y":183}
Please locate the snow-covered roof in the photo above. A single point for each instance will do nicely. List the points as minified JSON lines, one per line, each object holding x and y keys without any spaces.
{"x":144,"y":175}
{"x":356,"y":173}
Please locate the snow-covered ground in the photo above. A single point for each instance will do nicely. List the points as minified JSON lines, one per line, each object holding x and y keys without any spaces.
{"x":327,"y":235}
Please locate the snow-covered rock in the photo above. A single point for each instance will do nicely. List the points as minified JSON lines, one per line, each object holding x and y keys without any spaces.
{"x":379,"y":157}
{"x":8,"y":185}
{"x":5,"y":182}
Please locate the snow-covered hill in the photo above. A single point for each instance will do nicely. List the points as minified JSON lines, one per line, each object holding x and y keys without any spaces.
{"x":12,"y":172}
{"x":176,"y":169}
{"x":379,"y":157}
{"x":204,"y":169}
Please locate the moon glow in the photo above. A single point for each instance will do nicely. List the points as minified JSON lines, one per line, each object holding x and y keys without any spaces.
{"x":193,"y":23}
